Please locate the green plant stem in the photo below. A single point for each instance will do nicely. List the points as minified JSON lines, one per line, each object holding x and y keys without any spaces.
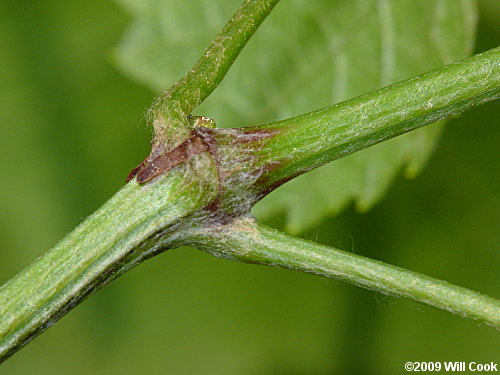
{"x":299,"y":144}
{"x":126,"y":230}
{"x":173,"y":108}
{"x":108,"y":243}
{"x":210,"y":192}
{"x":245,"y":240}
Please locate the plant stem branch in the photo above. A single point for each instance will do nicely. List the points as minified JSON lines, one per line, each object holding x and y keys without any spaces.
{"x":139,"y":221}
{"x":111,"y":241}
{"x":172,"y":109}
{"x":245,"y":240}
{"x":288,"y":148}
{"x":204,"y":200}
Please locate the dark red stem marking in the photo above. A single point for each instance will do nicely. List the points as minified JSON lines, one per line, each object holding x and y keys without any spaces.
{"x":150,"y":169}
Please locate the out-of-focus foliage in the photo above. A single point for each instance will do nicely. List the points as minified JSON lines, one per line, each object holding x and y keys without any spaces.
{"x":334,"y":51}
{"x":70,"y":130}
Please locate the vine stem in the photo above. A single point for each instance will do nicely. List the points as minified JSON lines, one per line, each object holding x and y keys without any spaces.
{"x":212,"y":190}
{"x":248,"y":241}
{"x":285,"y":149}
{"x":125,"y":230}
{"x":170,"y":113}
{"x":112,"y":240}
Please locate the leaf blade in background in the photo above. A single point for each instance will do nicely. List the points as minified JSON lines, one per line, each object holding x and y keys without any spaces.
{"x":307,"y":55}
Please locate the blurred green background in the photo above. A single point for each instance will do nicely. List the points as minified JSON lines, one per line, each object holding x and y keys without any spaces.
{"x":70,"y":130}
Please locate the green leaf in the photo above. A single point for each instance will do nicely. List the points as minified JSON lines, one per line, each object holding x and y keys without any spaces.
{"x":307,"y":55}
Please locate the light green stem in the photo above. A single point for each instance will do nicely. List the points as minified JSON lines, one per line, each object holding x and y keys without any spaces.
{"x":213,"y":190}
{"x":171,"y":111}
{"x":108,"y":243}
{"x":308,"y":141}
{"x":247,"y":241}
{"x":127,"y":229}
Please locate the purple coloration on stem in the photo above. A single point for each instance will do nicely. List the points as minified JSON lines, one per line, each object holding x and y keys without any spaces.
{"x":164,"y":162}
